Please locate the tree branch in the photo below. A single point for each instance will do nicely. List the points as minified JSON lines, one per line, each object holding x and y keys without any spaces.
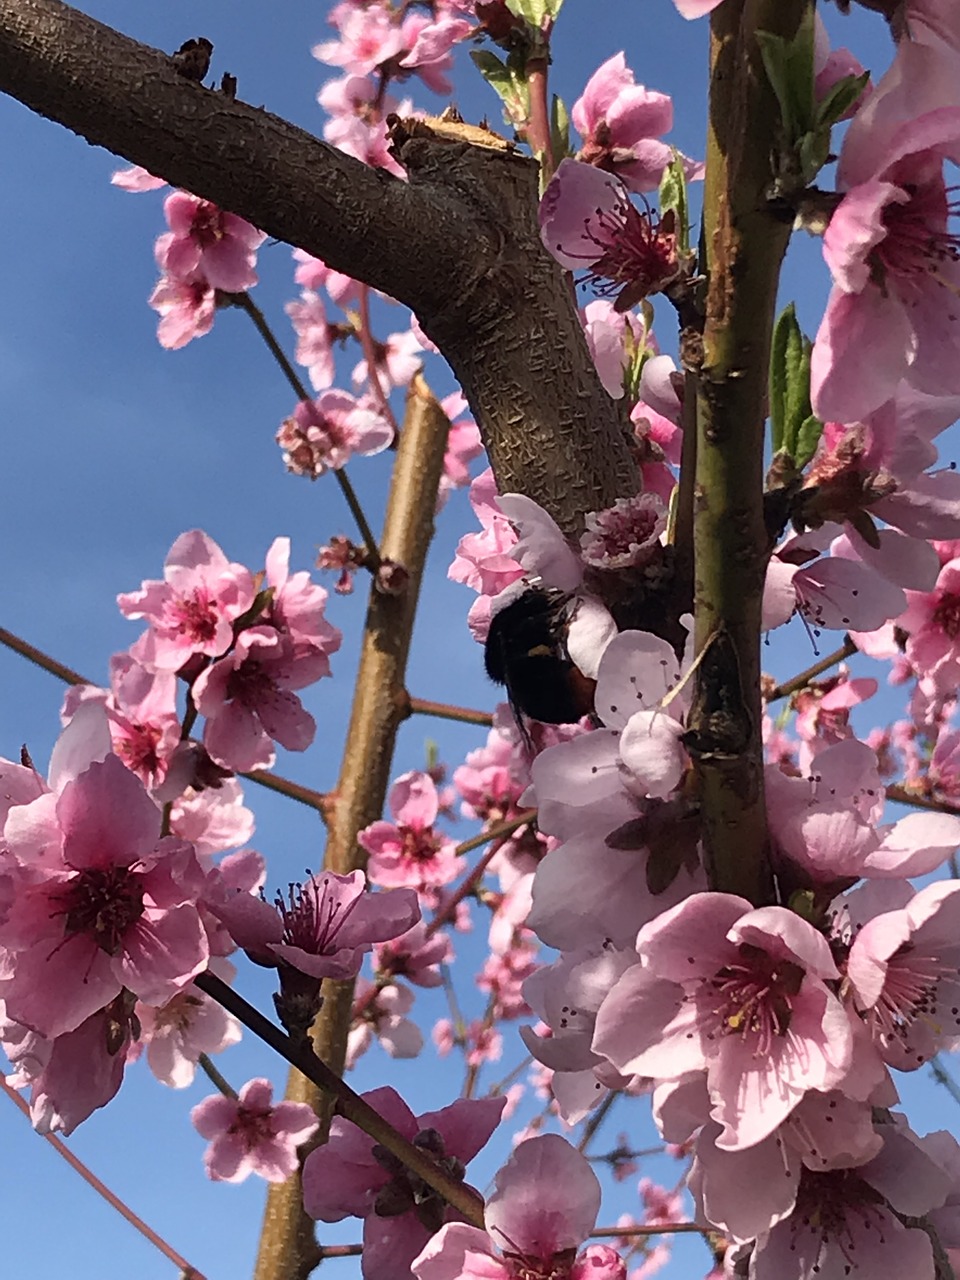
{"x":287,"y":1243}
{"x":459,"y":243}
{"x":745,"y":244}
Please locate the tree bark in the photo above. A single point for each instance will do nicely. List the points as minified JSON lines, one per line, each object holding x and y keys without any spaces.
{"x":458,"y":244}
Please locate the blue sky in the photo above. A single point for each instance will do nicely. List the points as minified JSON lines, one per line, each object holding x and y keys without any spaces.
{"x":113,"y":447}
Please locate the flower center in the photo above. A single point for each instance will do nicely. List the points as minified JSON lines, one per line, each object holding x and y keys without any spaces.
{"x":754,"y":998}
{"x":193,"y":617}
{"x":946,"y":615}
{"x":207,"y":228}
{"x":418,"y":846}
{"x":406,"y":1192}
{"x":249,"y":683}
{"x":102,"y":903}
{"x":917,"y":240}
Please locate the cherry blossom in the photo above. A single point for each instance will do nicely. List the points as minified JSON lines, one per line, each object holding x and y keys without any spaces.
{"x":323,"y":434}
{"x":250,"y":1134}
{"x":118,"y":911}
{"x":621,"y":123}
{"x":205,"y":243}
{"x":192,"y":611}
{"x":175,"y":1034}
{"x":314,"y":346}
{"x":186,"y":308}
{"x":411,"y":850}
{"x":380,"y":1013}
{"x":740,"y":993}
{"x":894,"y":265}
{"x":588,"y":222}
{"x":543,"y":1208}
{"x":351,"y":1176}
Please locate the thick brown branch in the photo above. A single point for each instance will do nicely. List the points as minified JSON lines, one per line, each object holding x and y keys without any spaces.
{"x":458,"y":243}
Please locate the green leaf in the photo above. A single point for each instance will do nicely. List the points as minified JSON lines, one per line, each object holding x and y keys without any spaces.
{"x":507,"y":80}
{"x":559,"y":130}
{"x":789,"y":67}
{"x":532,"y":12}
{"x":840,"y":98}
{"x":808,"y":437}
{"x":790,"y":410}
{"x":673,"y":195}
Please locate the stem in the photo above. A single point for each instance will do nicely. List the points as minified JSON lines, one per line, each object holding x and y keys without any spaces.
{"x":349,"y":1104}
{"x":745,"y":244}
{"x":538,"y":126}
{"x":287,"y":1247}
{"x":904,"y":795}
{"x":188,"y":1272}
{"x":447,"y":711}
{"x":247,"y":304}
{"x":595,"y":1121}
{"x":498,"y":833}
{"x":41,"y":659}
{"x":664,"y":1229}
{"x":846,"y":650}
{"x":313,"y":799}
{"x":942,"y":1076}
{"x":340,"y":1250}
{"x":370,"y":355}
{"x":319,"y":800}
{"x":216,"y":1079}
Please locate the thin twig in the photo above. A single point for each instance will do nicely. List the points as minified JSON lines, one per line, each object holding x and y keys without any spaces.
{"x":595,"y":1121}
{"x":370,"y":355}
{"x":247,"y":304}
{"x":664,"y":1229}
{"x":447,"y":711}
{"x":942,"y":1076}
{"x":349,"y":1104}
{"x":188,"y":1272}
{"x":846,"y":650}
{"x":313,"y":799}
{"x":900,"y":794}
{"x":500,"y":832}
{"x":218,"y":1080}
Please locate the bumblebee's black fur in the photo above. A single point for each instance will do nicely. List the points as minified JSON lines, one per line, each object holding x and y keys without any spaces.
{"x":526,"y":651}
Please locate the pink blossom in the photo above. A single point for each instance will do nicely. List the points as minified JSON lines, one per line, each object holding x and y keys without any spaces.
{"x":214,"y":819}
{"x":463,"y":446}
{"x":192,"y":611}
{"x":324,"y":927}
{"x":206,"y":243}
{"x":396,"y":361}
{"x":314,"y":334}
{"x":323,"y":434}
{"x":740,"y":993}
{"x":136,"y":178}
{"x":903,"y":972}
{"x":430,"y":43}
{"x":695,"y":8}
{"x":249,"y":702}
{"x":588,"y":222}
{"x":187,"y":310}
{"x":144,"y":723}
{"x":567,"y":996}
{"x":368,"y":38}
{"x":249,"y":1134}
{"x":414,"y":955}
{"x":859,"y":1213}
{"x":119,"y":911}
{"x":611,"y":335}
{"x":825,"y":824}
{"x":74,"y":1074}
{"x":175,"y":1034}
{"x":543,"y":1209}
{"x":349,"y":1176}
{"x":894,"y":265}
{"x":297,"y":608}
{"x":484,"y":561}
{"x":312,"y":274}
{"x":410,"y":850}
{"x":380,"y":1013}
{"x":626,"y":535}
{"x":932,"y":623}
{"x":621,"y":123}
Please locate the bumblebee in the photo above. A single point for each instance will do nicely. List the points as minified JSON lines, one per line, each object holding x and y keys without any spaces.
{"x":526,"y":651}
